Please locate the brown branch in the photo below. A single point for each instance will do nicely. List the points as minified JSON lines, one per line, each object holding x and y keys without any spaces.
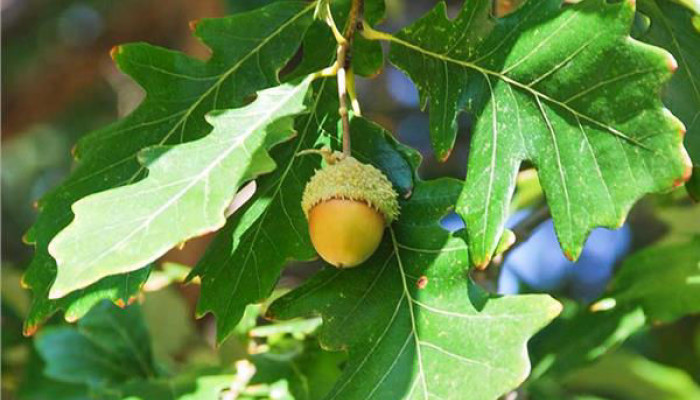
{"x":343,"y":60}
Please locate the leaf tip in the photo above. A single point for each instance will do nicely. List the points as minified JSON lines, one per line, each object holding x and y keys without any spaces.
{"x":30,"y":329}
{"x":114,"y":52}
{"x":55,"y":293}
{"x":571,"y":255}
{"x":444,"y":155}
{"x":23,"y":282}
{"x":603,"y":305}
{"x":671,"y":62}
{"x":481,"y":264}
{"x":71,"y":318}
{"x":193,"y":24}
{"x":687,"y":169}
{"x":26,"y":239}
{"x":555,"y":309}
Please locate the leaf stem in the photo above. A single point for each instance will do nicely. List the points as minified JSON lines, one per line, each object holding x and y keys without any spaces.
{"x":371,"y":34}
{"x":354,"y":102}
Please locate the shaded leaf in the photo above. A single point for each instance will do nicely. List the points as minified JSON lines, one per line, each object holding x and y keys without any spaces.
{"x":186,"y":193}
{"x":663,"y":280}
{"x":573,"y":341}
{"x":310,"y":371}
{"x":109,"y":346}
{"x":173,"y":329}
{"x":180,"y":91}
{"x":37,"y":386}
{"x":412,"y":322}
{"x":660,"y":283}
{"x":671,"y":27}
{"x":201,"y":385}
{"x":562,"y":87}
{"x":625,"y":375}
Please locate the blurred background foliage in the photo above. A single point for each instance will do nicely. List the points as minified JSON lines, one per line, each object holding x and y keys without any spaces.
{"x":59,"y":83}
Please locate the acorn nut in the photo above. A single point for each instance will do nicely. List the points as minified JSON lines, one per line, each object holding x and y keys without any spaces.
{"x":348,"y":204}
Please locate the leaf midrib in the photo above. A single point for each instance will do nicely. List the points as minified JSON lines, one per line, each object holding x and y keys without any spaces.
{"x":520,"y":85}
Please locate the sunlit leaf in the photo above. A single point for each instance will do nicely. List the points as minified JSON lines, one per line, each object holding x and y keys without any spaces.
{"x":563,"y":87}
{"x":180,"y":90}
{"x":186,"y":192}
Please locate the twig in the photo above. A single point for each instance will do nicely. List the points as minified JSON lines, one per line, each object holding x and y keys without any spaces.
{"x":343,"y":63}
{"x":342,"y":95}
{"x":523,"y":229}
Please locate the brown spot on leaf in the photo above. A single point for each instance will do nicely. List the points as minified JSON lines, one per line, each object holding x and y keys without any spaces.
{"x":422,"y":282}
{"x":687,"y":172}
{"x":30,"y":330}
{"x":132,"y":300}
{"x":569,"y":256}
{"x":114,"y":51}
{"x":446,"y":155}
{"x":193,"y":24}
{"x":482,"y":264}
{"x":671,"y":63}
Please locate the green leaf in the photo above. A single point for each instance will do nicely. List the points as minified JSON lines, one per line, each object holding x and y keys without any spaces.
{"x":35,"y":385}
{"x":663,"y":280}
{"x":200,"y":385}
{"x":412,"y":322}
{"x":109,"y":346}
{"x":246,"y":56}
{"x":244,"y":262}
{"x":573,"y":341}
{"x":626,"y":375}
{"x":562,"y":87}
{"x":310,"y":371}
{"x":173,"y":329}
{"x":186,"y":193}
{"x":671,"y":27}
{"x":658,"y":284}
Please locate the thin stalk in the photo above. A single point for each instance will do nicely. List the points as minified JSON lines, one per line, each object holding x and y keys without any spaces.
{"x":343,"y":65}
{"x":354,"y":102}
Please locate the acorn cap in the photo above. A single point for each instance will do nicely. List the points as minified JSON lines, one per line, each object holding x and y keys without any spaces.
{"x":352,"y":180}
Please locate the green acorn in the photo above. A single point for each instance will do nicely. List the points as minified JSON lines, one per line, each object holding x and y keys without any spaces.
{"x":348,"y":205}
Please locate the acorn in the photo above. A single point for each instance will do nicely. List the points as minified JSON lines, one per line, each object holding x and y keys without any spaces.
{"x":348,"y":205}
